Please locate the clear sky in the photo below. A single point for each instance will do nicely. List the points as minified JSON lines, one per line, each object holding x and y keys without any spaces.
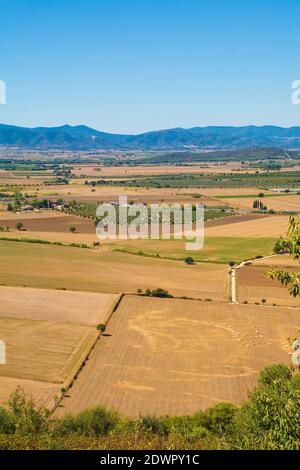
{"x":136,"y":65}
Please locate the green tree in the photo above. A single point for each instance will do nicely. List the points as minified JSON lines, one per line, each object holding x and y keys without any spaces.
{"x":101,"y":327}
{"x":291,"y":245}
{"x":19,"y":226}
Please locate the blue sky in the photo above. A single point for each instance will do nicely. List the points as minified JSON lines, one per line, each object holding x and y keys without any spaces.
{"x":136,"y":65}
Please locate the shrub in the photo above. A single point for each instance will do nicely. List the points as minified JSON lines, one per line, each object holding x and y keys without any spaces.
{"x":94,"y":422}
{"x":101,"y":327}
{"x":272,"y":373}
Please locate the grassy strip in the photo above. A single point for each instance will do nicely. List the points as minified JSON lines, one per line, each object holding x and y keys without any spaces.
{"x":42,"y":242}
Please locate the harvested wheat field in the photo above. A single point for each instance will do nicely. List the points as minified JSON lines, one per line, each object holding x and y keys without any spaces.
{"x":82,"y":308}
{"x":42,"y":393}
{"x":242,"y":191}
{"x":169,"y":356}
{"x":254,"y":286}
{"x":273,"y":226}
{"x":276,"y":203}
{"x":101,"y":171}
{"x":43,"y":351}
{"x":56,"y":267}
{"x":278,"y":260}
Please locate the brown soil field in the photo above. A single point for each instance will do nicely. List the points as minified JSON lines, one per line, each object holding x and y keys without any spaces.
{"x":55,"y":227}
{"x":82,"y":308}
{"x":41,"y":392}
{"x":283,"y":203}
{"x":273,"y":226}
{"x":43,"y":351}
{"x":52,"y":223}
{"x":106,"y":271}
{"x":236,"y":219}
{"x":253,"y":286}
{"x":176,"y":357}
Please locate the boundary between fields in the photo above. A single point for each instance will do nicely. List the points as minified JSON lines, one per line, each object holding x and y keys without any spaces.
{"x":69,"y":382}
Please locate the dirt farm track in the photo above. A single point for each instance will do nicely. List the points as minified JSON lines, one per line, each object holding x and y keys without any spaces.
{"x":170,"y":356}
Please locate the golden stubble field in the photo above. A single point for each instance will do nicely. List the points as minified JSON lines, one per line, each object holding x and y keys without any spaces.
{"x":253,"y":285}
{"x":57,"y":267}
{"x":48,"y":335}
{"x":276,"y":203}
{"x":43,"y":351}
{"x":176,"y":357}
{"x":82,"y":308}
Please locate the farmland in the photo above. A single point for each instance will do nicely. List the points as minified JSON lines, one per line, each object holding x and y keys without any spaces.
{"x":48,"y":334}
{"x":106,"y":271}
{"x":176,"y":356}
{"x":254,"y":285}
{"x":80,"y":308}
{"x":159,"y":356}
{"x":52,"y":349}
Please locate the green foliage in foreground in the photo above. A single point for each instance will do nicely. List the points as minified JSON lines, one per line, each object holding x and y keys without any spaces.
{"x":290,"y":245}
{"x":269,"y":419}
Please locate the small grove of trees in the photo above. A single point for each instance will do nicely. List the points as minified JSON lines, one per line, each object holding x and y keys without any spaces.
{"x":290,"y":245}
{"x":160,"y":293}
{"x":257,"y":204}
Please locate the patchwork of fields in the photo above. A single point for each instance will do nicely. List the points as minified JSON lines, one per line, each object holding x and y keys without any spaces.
{"x":159,"y":356}
{"x":48,"y":335}
{"x":176,"y":357}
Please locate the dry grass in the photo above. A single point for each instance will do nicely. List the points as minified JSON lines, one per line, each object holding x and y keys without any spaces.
{"x":278,"y":260}
{"x":126,"y":171}
{"x":278,"y":203}
{"x":108,"y":272}
{"x":82,"y":308}
{"x":41,"y":392}
{"x":176,"y":356}
{"x":262,"y":227}
{"x":215,"y":192}
{"x":43,"y":351}
{"x":253,"y":286}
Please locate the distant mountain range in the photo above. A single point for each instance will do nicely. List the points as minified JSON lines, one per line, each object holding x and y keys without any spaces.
{"x":84,"y":138}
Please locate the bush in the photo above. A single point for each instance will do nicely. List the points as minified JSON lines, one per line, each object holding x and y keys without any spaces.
{"x":101,"y":327}
{"x":270,"y":418}
{"x":276,"y":372}
{"x":94,"y":422}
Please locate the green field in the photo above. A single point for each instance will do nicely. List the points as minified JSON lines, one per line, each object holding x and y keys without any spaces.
{"x":216,"y":249}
